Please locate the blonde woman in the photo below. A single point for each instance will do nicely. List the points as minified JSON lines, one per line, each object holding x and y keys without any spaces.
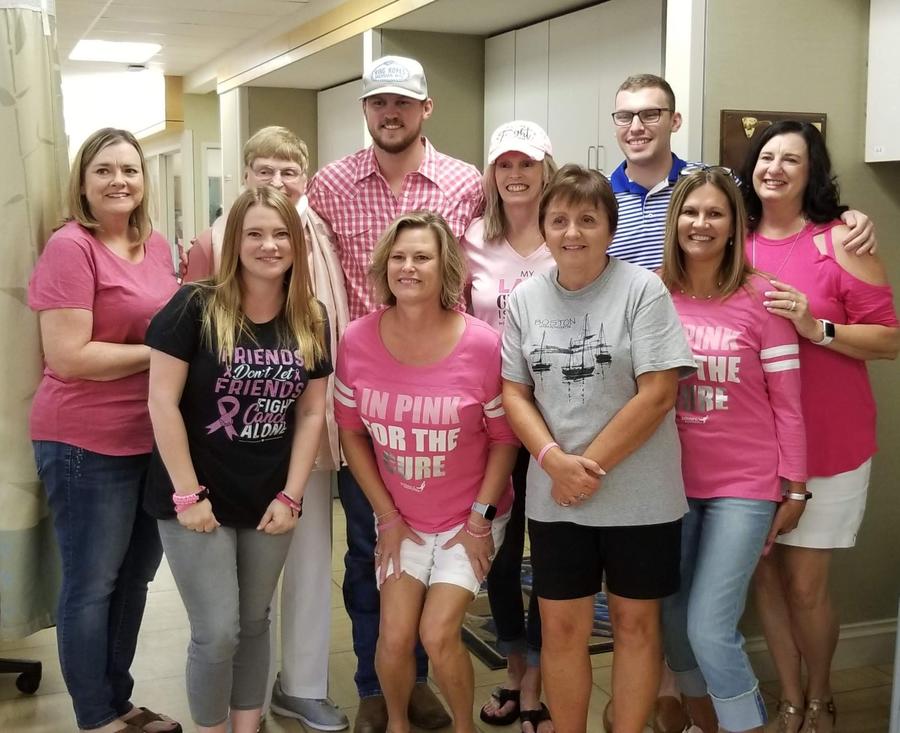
{"x":418,"y":403}
{"x":237,"y":398}
{"x":101,"y":278}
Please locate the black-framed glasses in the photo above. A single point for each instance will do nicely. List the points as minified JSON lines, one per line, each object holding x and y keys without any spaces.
{"x":623,"y":117}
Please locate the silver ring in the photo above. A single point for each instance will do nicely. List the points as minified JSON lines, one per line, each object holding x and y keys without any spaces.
{"x":582,"y":496}
{"x":377,"y":553}
{"x":565,"y":503}
{"x":793,"y":304}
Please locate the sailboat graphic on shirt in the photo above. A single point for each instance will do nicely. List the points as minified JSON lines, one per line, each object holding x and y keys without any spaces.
{"x":540,"y":365}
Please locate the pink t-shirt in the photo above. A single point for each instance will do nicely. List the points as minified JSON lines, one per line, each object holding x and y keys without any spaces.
{"x":838,"y":404}
{"x":76,"y":270}
{"x":739,"y":415}
{"x":431,"y":426}
{"x":495,"y":268}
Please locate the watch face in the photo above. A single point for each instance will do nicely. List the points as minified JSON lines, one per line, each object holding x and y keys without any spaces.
{"x":490,"y":511}
{"x":829,"y":329}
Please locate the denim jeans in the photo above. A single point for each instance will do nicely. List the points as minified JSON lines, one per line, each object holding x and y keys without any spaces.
{"x":504,"y":582}
{"x":361,"y":597}
{"x":226,"y":579}
{"x":110,"y":551}
{"x":721,"y":542}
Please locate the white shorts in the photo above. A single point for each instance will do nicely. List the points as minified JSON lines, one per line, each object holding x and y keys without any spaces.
{"x":431,"y":563}
{"x":833,"y":515}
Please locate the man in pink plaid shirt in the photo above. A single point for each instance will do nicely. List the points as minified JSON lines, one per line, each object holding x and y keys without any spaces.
{"x":359,"y":196}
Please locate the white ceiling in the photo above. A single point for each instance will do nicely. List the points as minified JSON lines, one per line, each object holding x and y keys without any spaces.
{"x":193,"y":33}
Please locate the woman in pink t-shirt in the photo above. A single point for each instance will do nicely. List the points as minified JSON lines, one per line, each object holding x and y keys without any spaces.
{"x":502,"y":249}
{"x":418,"y":403}
{"x":101,"y":278}
{"x":742,"y":439}
{"x":841,"y":307}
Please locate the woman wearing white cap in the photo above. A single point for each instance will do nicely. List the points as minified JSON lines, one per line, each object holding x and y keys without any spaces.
{"x":503,"y":248}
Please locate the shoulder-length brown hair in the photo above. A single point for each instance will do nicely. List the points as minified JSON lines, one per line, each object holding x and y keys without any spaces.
{"x":300,"y":322}
{"x":77,"y":203}
{"x":452,"y":262}
{"x":734,"y":270}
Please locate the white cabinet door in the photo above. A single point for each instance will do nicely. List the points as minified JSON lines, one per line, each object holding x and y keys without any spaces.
{"x":341,"y":127}
{"x":590,"y":53}
{"x":499,"y":83}
{"x":532,"y":61}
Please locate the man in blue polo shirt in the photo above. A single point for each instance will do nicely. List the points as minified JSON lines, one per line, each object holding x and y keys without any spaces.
{"x":645,"y":119}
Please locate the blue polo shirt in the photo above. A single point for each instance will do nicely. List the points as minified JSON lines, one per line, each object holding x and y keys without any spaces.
{"x":642,"y":216}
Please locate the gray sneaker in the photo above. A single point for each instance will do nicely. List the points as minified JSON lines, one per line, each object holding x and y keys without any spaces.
{"x":319,"y":714}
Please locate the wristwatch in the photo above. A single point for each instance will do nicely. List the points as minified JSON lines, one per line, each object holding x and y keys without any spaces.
{"x":827,"y":333}
{"x":488,"y":511}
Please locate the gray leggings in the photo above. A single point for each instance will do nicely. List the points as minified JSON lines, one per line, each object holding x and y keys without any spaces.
{"x":226,"y":579}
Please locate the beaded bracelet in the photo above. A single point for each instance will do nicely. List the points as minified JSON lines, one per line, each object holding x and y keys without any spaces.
{"x":482,"y":535}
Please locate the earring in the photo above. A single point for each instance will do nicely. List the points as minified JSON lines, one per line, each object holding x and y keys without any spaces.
{"x":730,"y":242}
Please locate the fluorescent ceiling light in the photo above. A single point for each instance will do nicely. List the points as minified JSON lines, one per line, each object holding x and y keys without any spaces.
{"x":126,"y":53}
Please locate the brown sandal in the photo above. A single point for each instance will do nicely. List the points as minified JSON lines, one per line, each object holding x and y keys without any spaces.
{"x":814,"y":710}
{"x":783,"y":716}
{"x":146,"y":717}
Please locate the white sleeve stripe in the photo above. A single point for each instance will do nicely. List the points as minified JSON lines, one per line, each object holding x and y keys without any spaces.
{"x":339,"y":385}
{"x":774,"y":351}
{"x":494,"y":402}
{"x":781,"y":366}
{"x":497,"y":412}
{"x":346,"y":401}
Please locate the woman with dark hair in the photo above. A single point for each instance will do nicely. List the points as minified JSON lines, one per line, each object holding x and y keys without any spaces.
{"x":742,"y":441}
{"x":504,"y":248}
{"x":592,"y":353}
{"x":238,"y":378}
{"x":101,"y":278}
{"x":841,"y":307}
{"x":417,"y":400}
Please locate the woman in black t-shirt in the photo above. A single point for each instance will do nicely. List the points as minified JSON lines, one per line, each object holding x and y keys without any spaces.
{"x":237,"y":398}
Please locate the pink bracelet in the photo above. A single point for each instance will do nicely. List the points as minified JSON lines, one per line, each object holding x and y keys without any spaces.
{"x":296,"y":506}
{"x":390,"y":523}
{"x":474,"y":534}
{"x":544,"y":450}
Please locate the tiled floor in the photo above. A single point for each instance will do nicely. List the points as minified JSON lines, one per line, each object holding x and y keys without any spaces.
{"x":862,"y":695}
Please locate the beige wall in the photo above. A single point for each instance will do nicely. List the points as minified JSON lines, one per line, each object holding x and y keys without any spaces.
{"x":454,"y":67}
{"x":201,"y":117}
{"x":295,"y":109}
{"x":775,"y":55}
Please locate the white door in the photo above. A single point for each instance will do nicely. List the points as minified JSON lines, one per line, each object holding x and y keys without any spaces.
{"x":341,"y":127}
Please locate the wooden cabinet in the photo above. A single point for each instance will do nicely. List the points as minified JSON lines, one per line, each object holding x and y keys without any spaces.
{"x":565,"y":73}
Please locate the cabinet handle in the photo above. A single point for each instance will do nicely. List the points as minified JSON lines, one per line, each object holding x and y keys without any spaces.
{"x":601,"y":168}
{"x":590,"y":148}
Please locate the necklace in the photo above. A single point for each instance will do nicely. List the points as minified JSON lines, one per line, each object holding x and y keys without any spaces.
{"x":705,"y":297}
{"x":785,"y":260}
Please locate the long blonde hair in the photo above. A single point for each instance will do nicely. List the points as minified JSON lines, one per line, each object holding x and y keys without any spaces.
{"x":494,"y":218}
{"x":76,"y":202}
{"x":734,"y":270}
{"x":301,"y":321}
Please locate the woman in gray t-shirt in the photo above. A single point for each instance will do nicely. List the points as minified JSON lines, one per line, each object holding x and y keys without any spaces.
{"x":592,"y":353}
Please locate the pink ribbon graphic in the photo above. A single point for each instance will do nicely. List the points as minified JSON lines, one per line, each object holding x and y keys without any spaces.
{"x":228,"y":408}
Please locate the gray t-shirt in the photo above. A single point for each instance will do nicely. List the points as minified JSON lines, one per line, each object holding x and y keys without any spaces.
{"x":582,"y":351}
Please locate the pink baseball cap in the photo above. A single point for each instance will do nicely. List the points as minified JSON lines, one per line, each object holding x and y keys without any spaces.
{"x":521,"y":136}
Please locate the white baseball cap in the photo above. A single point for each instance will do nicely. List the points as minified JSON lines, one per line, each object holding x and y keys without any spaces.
{"x":395,"y":75}
{"x":521,"y":136}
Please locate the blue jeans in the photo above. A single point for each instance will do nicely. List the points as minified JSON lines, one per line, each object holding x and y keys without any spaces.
{"x":361,"y":598}
{"x":110,"y":551}
{"x":721,"y":542}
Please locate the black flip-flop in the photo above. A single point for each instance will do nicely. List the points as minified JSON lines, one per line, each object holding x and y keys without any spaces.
{"x":502,"y":696}
{"x":535,"y":717}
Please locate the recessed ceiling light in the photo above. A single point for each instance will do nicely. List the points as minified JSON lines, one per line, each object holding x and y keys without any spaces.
{"x":127,"y":53}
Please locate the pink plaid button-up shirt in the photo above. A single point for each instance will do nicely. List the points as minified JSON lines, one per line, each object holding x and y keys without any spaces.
{"x":356,"y":200}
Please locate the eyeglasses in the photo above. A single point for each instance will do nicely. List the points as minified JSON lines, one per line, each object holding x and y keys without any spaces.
{"x":692,"y":168}
{"x":288,"y":175}
{"x":624,"y":117}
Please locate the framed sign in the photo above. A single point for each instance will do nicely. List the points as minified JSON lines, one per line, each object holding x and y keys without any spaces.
{"x":739,"y":126}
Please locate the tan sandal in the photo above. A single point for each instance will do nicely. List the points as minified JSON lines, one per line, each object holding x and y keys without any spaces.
{"x":814,"y":711}
{"x":146,"y":717}
{"x":782,"y":721}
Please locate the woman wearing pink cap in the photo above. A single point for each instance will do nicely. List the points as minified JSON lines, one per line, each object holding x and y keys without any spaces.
{"x":503,"y":248}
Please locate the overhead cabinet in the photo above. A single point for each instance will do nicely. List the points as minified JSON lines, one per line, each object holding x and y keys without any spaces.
{"x":563,"y":74}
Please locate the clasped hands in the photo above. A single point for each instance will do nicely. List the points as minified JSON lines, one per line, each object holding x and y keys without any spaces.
{"x":575,"y":478}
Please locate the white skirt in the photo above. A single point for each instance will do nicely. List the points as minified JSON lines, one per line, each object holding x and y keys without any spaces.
{"x":833,"y":515}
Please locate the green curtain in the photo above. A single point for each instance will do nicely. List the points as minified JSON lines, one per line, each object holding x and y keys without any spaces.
{"x":33,"y":174}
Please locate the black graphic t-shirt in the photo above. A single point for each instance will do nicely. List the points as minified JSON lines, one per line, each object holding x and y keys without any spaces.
{"x":239,"y":418}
